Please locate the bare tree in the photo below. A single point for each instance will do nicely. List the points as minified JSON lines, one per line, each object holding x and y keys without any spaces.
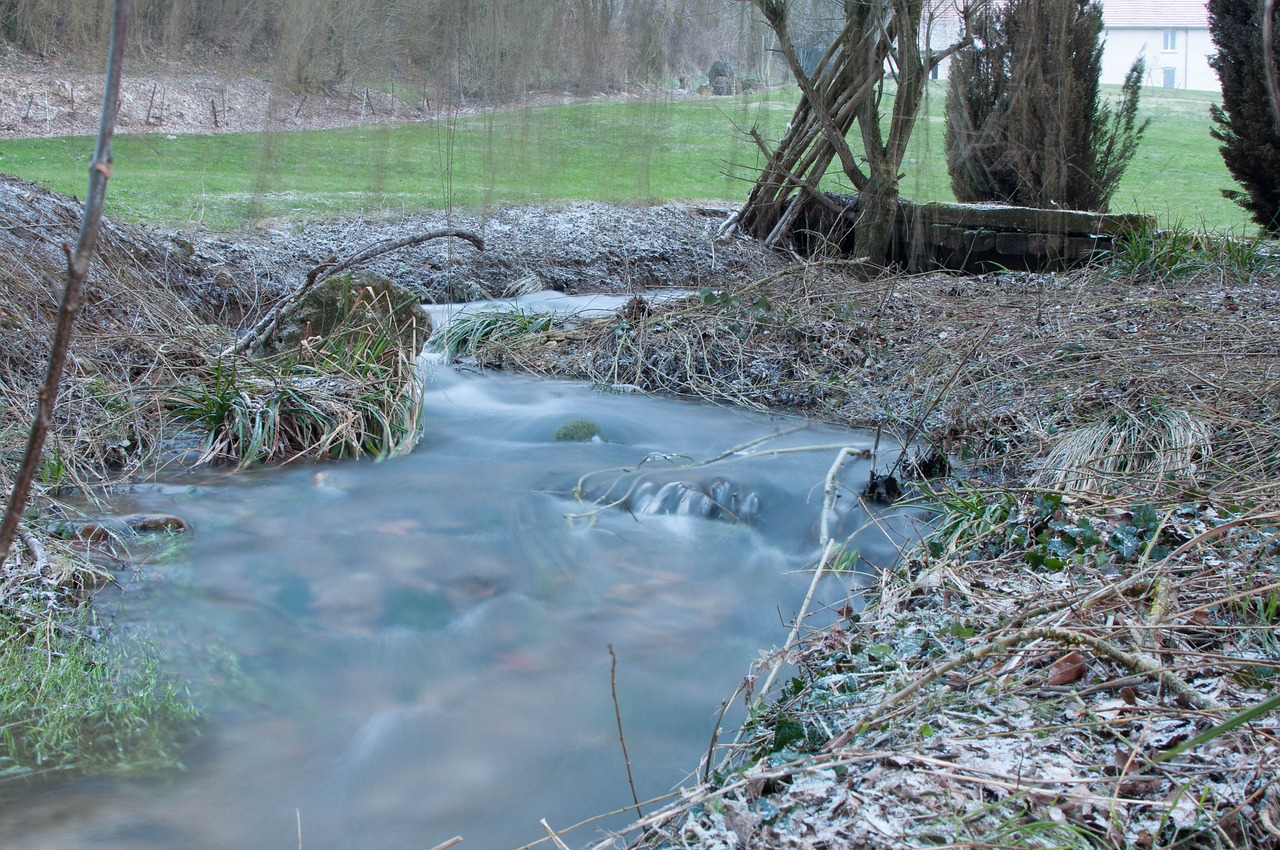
{"x":77,"y":269}
{"x":880,"y":54}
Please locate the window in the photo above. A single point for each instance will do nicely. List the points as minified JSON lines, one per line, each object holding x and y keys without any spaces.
{"x":1170,"y":39}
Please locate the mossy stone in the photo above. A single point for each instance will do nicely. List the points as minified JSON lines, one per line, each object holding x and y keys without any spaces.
{"x":357,"y":299}
{"x":577,"y":431}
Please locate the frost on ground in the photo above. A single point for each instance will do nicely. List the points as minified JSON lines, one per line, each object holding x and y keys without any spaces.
{"x":1103,"y":583}
{"x":981,"y":703}
{"x":576,"y":248}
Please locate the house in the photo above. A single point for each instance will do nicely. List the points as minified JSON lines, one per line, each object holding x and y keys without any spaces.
{"x":1173,"y":35}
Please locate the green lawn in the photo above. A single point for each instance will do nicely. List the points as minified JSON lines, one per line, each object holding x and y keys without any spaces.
{"x":640,"y":150}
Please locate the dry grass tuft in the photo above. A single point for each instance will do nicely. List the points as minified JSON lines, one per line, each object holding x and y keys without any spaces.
{"x":1103,"y":582}
{"x":1158,"y":451}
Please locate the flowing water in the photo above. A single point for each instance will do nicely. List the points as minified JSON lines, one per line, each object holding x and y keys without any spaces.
{"x":397,"y":653}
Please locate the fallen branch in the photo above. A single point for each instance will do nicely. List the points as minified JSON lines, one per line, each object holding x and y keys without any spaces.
{"x":622,"y":739}
{"x":40,"y":558}
{"x":1137,"y":663}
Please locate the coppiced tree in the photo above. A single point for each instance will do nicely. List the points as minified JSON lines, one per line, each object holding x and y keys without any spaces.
{"x":845,"y":87}
{"x":1027,"y":123}
{"x":1245,"y":124}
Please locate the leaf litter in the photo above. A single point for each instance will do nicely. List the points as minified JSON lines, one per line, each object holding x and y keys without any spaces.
{"x":1101,"y":583}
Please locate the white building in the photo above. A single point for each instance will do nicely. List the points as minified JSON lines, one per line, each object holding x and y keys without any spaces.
{"x":1173,"y":35}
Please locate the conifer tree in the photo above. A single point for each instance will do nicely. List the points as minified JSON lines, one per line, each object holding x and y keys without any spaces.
{"x":1027,"y":123}
{"x":1245,"y":124}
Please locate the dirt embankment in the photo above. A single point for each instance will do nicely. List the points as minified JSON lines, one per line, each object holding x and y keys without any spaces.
{"x":56,"y":98}
{"x":51,"y":97}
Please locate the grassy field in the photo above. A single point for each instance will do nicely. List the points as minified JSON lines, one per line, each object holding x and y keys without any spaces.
{"x":639,"y":151}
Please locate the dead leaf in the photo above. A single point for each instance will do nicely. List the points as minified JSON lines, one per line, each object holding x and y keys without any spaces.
{"x":1067,"y":669}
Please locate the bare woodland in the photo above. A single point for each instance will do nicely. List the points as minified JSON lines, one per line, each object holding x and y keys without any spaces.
{"x":478,"y":48}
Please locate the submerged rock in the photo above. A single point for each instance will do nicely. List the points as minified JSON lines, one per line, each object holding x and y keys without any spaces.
{"x":717,"y":499}
{"x":577,"y":431}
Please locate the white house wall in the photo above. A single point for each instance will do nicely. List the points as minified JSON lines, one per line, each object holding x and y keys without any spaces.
{"x":1187,"y":65}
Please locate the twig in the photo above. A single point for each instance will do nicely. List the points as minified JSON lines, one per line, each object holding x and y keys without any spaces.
{"x":1137,"y":663}
{"x":38,"y":555}
{"x":551,"y":833}
{"x":77,"y":270}
{"x":297,"y":813}
{"x":452,"y":842}
{"x":830,"y":493}
{"x":715,"y":738}
{"x":955,"y":373}
{"x":622,"y":739}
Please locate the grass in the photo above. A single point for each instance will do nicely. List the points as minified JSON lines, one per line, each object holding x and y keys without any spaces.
{"x":468,"y":333}
{"x":356,"y":391}
{"x":632,"y":151}
{"x":68,"y":704}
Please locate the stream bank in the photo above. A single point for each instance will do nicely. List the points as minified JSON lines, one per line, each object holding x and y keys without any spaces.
{"x":1106,"y":566}
{"x":1103,"y":584}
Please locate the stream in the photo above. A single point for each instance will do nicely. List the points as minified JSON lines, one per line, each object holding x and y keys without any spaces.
{"x":392,"y":654}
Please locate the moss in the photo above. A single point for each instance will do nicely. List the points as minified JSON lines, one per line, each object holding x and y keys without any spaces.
{"x":577,"y":431}
{"x":357,"y":299}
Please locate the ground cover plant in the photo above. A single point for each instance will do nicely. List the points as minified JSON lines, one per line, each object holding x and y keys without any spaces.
{"x":1101,"y":583}
{"x":636,"y":150}
{"x":147,"y":367}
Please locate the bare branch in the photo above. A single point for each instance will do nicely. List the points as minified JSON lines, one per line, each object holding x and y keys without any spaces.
{"x":77,"y":270}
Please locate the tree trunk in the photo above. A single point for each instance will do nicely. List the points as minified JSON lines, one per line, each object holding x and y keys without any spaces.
{"x":846,"y":87}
